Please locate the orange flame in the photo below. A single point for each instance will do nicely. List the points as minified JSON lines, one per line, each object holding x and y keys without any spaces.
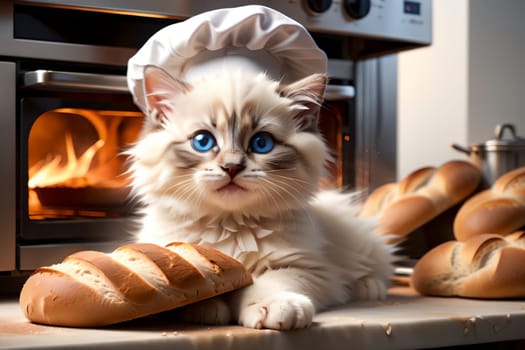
{"x":74,"y":173}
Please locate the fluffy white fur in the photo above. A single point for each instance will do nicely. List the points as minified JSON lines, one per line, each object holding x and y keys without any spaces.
{"x":306,"y":248}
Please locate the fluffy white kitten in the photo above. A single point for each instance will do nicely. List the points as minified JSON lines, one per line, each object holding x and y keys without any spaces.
{"x":233,"y":161}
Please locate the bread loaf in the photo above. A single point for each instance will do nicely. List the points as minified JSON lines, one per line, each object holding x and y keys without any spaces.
{"x":486,"y":266}
{"x":91,"y":288}
{"x":421,"y":196}
{"x":500,"y":209}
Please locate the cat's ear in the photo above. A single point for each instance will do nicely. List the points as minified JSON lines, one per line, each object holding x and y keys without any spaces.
{"x":308,"y":94}
{"x":160,"y":89}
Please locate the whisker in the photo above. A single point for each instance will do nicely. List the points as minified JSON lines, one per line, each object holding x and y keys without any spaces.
{"x":295,"y":180}
{"x":180,"y":189}
{"x":269,"y":194}
{"x":300,"y":188}
{"x":280,"y":187}
{"x":273,"y":171}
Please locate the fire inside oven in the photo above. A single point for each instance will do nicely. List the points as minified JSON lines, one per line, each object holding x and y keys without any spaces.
{"x":76,"y":167}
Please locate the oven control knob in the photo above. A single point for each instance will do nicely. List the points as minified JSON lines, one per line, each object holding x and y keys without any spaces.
{"x":319,"y":6}
{"x":357,"y":8}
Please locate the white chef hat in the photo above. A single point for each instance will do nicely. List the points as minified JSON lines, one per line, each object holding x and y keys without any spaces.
{"x":254,"y":37}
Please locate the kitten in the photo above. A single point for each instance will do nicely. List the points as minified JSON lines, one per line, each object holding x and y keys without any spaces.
{"x":233,"y":161}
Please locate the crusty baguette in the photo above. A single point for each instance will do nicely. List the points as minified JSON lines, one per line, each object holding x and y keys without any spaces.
{"x":386,"y":194}
{"x":91,"y":288}
{"x":500,"y":209}
{"x":487,"y":266}
{"x":421,"y":196}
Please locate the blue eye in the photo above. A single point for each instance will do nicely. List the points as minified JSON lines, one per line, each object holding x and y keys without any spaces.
{"x":262,"y":142}
{"x":203,"y":141}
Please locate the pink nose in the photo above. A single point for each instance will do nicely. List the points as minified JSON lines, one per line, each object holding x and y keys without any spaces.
{"x":232,"y":169}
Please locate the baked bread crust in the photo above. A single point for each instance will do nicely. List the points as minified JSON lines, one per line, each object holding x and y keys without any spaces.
{"x":486,"y":266}
{"x":421,"y":196}
{"x":90,"y":288}
{"x":500,"y":209}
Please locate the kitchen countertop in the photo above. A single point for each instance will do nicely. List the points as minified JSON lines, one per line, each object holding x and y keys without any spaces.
{"x":404,"y":321}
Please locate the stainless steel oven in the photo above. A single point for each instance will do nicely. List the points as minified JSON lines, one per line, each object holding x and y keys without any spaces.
{"x":67,"y":114}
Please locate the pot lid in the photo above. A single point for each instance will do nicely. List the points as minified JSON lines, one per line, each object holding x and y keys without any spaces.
{"x":505,"y":139}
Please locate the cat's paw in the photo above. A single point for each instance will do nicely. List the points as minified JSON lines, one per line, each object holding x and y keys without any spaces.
{"x":281,"y":311}
{"x":211,"y":311}
{"x":369,"y":288}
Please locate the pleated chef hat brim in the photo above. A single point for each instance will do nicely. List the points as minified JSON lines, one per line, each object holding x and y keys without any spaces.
{"x":255,"y":37}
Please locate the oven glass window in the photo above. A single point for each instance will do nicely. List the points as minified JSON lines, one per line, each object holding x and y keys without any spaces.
{"x":76,"y":167}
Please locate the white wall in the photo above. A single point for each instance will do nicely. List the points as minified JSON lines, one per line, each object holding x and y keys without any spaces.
{"x":432,"y":91}
{"x":469,"y":80}
{"x":496,"y":67}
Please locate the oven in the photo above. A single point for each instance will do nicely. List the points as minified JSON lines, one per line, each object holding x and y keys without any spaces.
{"x":67,"y":114}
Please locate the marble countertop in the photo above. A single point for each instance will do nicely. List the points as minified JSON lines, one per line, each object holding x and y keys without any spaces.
{"x":404,"y":321}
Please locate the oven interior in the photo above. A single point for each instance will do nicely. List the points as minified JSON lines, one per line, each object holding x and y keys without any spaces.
{"x":73,"y":184}
{"x":75,"y":163}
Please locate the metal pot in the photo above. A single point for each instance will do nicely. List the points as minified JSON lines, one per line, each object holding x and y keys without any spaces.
{"x":498,"y":156}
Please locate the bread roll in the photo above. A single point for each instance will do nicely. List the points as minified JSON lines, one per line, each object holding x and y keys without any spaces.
{"x":421,"y":196}
{"x":486,"y":266}
{"x":500,"y":209}
{"x":91,"y":288}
